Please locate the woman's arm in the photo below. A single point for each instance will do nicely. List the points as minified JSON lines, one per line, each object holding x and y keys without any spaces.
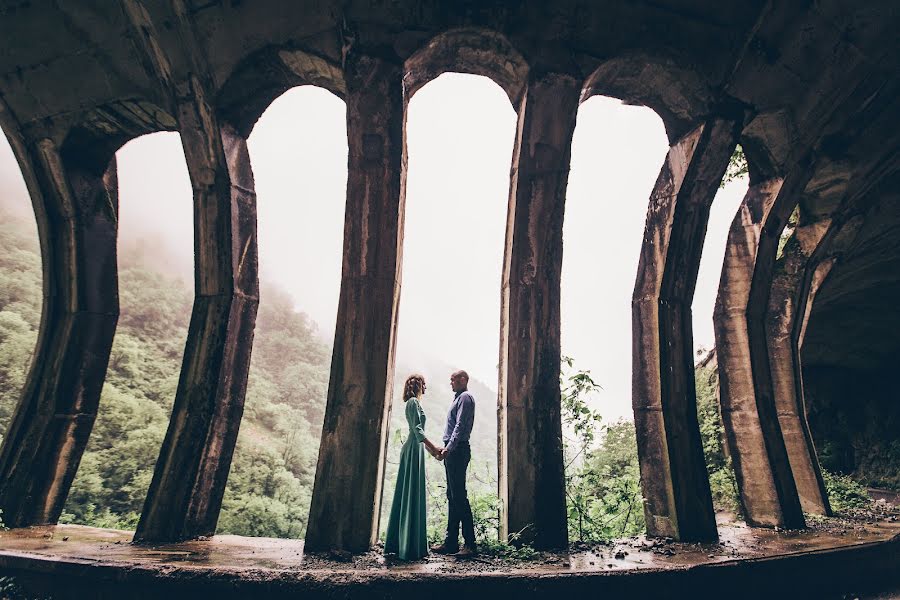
{"x":419,"y":430}
{"x":432,"y":449}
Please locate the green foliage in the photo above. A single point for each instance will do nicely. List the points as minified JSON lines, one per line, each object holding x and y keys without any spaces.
{"x":613,"y":474}
{"x":20,"y":309}
{"x":790,"y":226}
{"x":574,"y":390}
{"x":602,"y":470}
{"x":274,"y":464}
{"x":602,"y":480}
{"x":737,"y":167}
{"x":718,"y":464}
{"x":844,"y":493}
{"x":505,"y":551}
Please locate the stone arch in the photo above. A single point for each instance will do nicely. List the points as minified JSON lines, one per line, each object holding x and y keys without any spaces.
{"x":92,"y":140}
{"x":74,"y":191}
{"x":267,"y":74}
{"x":677,"y":94}
{"x":304,"y":236}
{"x":468,"y":50}
{"x":702,"y":138}
{"x":763,"y":308}
{"x":849,"y":385}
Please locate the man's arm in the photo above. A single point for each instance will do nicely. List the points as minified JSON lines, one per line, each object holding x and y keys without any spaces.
{"x":464,"y":420}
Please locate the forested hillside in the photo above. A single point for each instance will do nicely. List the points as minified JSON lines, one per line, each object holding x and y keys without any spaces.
{"x":272,"y":474}
{"x":271,"y":477}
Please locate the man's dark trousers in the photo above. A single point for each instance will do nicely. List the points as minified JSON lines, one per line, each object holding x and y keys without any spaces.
{"x":456,"y":463}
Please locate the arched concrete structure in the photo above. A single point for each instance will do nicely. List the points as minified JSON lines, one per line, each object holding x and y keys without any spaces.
{"x":532,"y":475}
{"x":110,"y":73}
{"x":678,"y":501}
{"x":346,"y":498}
{"x":677,"y":94}
{"x":76,"y":205}
{"x":756,"y":444}
{"x":269,"y":73}
{"x":758,"y":333}
{"x":467,"y":50}
{"x":185,"y":494}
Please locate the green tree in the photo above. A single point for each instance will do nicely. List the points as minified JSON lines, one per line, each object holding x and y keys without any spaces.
{"x":737,"y":167}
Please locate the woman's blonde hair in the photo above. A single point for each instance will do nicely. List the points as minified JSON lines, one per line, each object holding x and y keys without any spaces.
{"x":415,"y":385}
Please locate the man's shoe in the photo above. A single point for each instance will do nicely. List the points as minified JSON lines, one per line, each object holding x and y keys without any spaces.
{"x":444,"y":549}
{"x":466,"y":551}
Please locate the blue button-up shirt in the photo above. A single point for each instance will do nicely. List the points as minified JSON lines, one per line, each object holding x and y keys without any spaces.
{"x":459,"y":420}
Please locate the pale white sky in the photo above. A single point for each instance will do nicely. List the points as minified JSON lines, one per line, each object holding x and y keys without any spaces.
{"x":460,"y":134}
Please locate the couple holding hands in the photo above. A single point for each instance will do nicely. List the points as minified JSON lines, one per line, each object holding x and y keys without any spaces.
{"x":406,"y":531}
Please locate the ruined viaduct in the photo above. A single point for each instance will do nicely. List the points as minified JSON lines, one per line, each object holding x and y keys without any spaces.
{"x":810,"y":91}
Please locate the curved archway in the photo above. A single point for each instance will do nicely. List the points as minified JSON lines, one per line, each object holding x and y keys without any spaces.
{"x":155,"y":273}
{"x":459,"y":134}
{"x":758,"y":319}
{"x":616,"y":153}
{"x":468,"y":50}
{"x":378,"y":92}
{"x":677,"y":94}
{"x":265,"y":76}
{"x":75,"y":199}
{"x":298,"y":150}
{"x":702,"y":140}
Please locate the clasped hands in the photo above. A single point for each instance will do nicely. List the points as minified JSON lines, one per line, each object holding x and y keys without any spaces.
{"x":439,"y":453}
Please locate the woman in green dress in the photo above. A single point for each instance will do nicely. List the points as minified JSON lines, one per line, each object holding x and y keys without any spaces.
{"x":406,"y":535}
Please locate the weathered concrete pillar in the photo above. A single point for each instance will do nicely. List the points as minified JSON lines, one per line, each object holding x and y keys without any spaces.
{"x":532,"y":472}
{"x":185,"y":496}
{"x":750,"y":419}
{"x":790,"y":299}
{"x":673,"y":471}
{"x":346,"y":498}
{"x":76,"y":206}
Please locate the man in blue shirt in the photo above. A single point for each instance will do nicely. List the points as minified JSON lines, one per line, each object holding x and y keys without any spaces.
{"x":456,"y":454}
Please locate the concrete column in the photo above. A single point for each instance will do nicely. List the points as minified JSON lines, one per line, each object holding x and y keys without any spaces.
{"x":346,"y":498}
{"x":749,"y":415}
{"x":790,"y":299}
{"x":532,"y":474}
{"x":76,"y":206}
{"x":673,"y":471}
{"x":185,"y":495}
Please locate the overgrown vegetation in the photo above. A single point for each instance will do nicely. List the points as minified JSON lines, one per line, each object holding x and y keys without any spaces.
{"x":844,"y":493}
{"x":272,"y":473}
{"x":718,"y":464}
{"x":602,"y":474}
{"x":602,"y":470}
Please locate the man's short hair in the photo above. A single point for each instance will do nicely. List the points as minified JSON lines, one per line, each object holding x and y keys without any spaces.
{"x":462,"y":375}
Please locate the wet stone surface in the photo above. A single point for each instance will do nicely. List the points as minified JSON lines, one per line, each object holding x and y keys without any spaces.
{"x":227,"y":553}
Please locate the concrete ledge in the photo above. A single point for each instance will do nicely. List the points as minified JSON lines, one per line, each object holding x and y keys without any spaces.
{"x":861,"y":570}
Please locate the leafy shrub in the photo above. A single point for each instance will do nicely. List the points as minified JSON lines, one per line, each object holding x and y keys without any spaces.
{"x":844,"y":493}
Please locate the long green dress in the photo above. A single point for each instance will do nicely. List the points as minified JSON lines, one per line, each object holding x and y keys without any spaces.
{"x":406,"y":536}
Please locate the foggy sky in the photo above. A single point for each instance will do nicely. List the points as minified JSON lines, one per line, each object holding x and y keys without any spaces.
{"x":460,"y":134}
